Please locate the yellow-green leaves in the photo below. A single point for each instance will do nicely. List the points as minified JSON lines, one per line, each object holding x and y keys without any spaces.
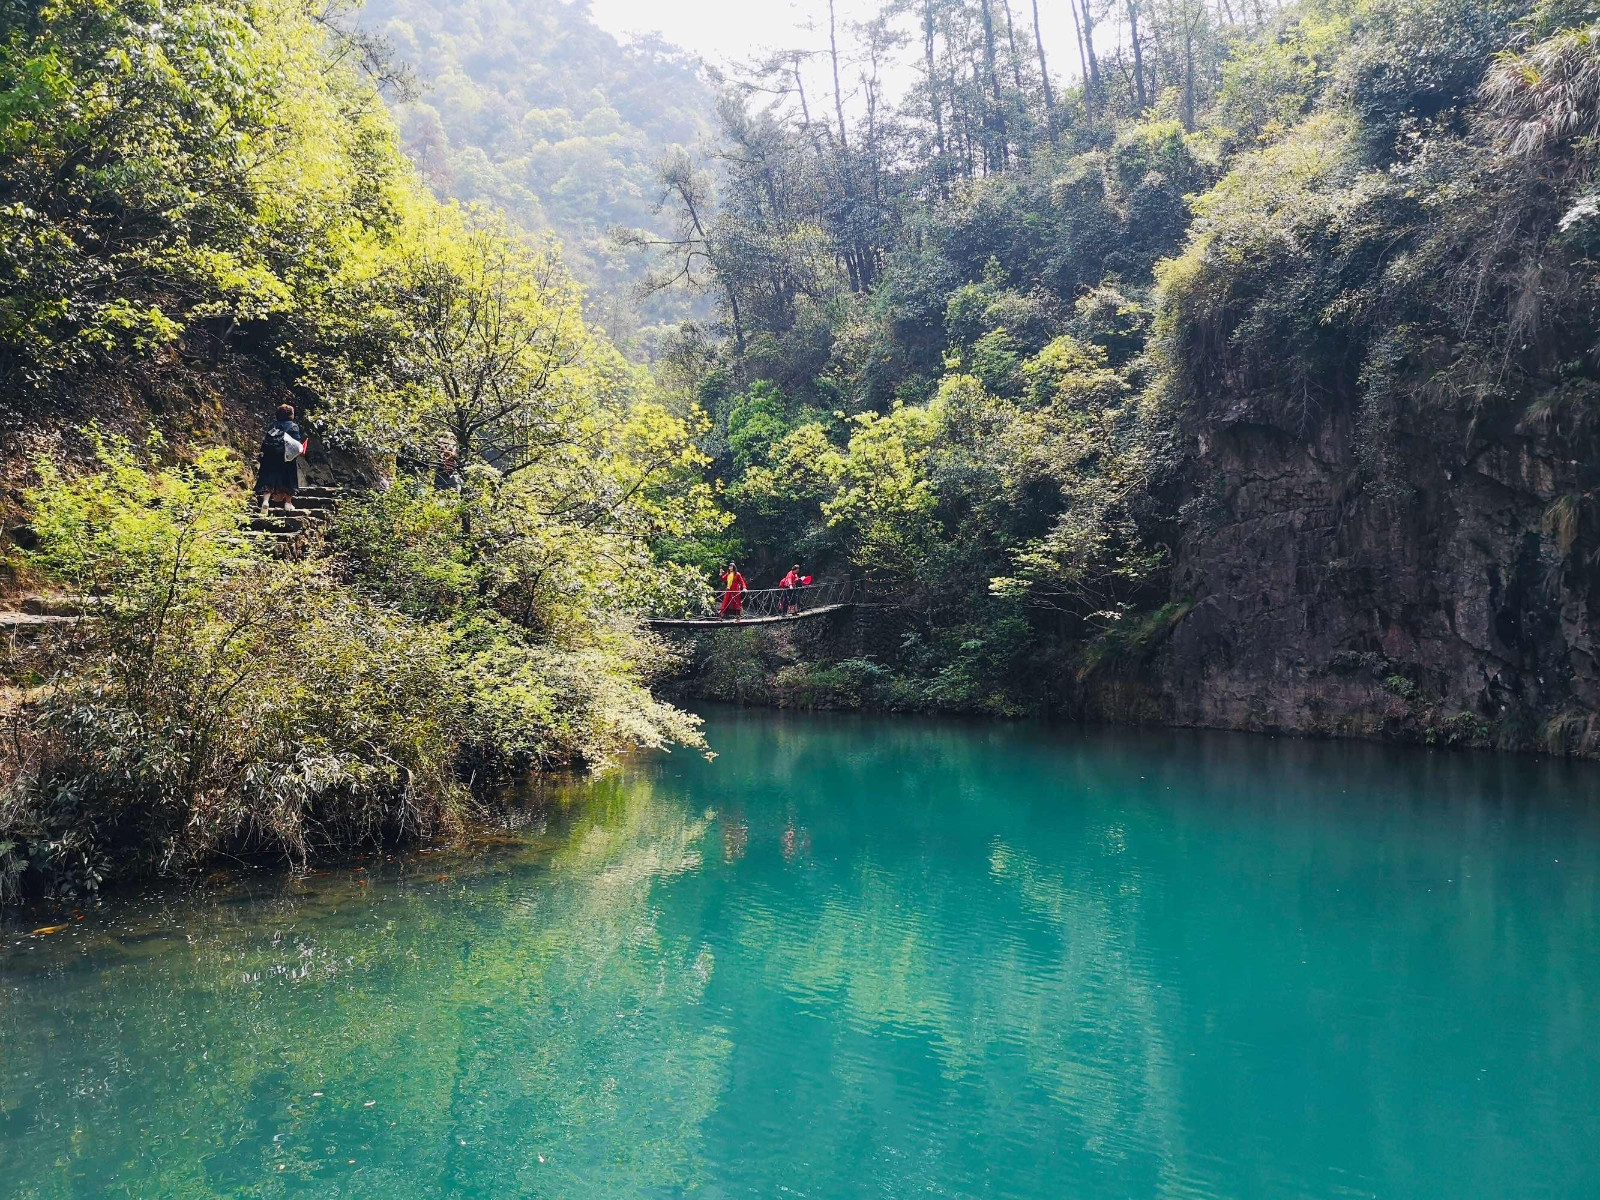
{"x":125,"y":528}
{"x":885,"y":497}
{"x":169,"y":163}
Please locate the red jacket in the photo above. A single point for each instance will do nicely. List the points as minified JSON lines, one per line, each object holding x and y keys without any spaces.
{"x":733,"y":596}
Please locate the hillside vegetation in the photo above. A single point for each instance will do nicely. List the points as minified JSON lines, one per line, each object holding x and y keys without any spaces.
{"x":204,"y":209}
{"x":532,"y":108}
{"x":1247,"y":381}
{"x":1250,"y":381}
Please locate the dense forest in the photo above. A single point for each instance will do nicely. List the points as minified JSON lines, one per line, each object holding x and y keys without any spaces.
{"x":1240,"y":373}
{"x":1248,"y":380}
{"x":533,"y":109}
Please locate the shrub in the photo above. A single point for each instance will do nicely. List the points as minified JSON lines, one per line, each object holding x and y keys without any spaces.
{"x":266,"y":717}
{"x":223,"y":701}
{"x":850,"y":683}
{"x":218,"y":700}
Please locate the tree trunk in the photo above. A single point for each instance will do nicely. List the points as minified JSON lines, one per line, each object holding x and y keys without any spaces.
{"x":1044,"y":77}
{"x":1138,"y":56}
{"x":1083,"y":60}
{"x":995,"y":144}
{"x":838,"y":94}
{"x":933,"y":92}
{"x":800,"y":90}
{"x":1011,"y":40}
{"x":738,"y":323}
{"x":988,"y":51}
{"x":1188,"y":68}
{"x":1088,"y":49}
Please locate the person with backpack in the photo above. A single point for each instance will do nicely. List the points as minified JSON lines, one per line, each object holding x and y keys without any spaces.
{"x":789,"y":584}
{"x":282,"y":448}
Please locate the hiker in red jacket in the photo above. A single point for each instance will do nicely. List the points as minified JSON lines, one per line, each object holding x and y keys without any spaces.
{"x":734,"y":588}
{"x":789,"y":583}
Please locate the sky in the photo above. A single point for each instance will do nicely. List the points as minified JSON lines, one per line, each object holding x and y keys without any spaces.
{"x":731,"y":30}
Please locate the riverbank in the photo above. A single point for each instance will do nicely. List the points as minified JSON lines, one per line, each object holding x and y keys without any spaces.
{"x":228,"y":700}
{"x":875,"y":659}
{"x":484,"y":837}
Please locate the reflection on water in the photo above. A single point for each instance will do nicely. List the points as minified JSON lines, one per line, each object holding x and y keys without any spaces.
{"x":855,"y":957}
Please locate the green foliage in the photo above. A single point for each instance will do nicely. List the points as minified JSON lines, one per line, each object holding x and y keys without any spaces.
{"x":884,"y":500}
{"x":739,"y":665}
{"x":554,"y":671}
{"x":532,"y":108}
{"x":202,"y":190}
{"x":851,"y":683}
{"x":217,"y":701}
{"x":122,"y":530}
{"x":1129,"y":637}
{"x":1348,"y":220}
{"x":171,"y":170}
{"x":757,"y":420}
{"x":1271,"y":82}
{"x":1405,"y":688}
{"x":1416,"y":66}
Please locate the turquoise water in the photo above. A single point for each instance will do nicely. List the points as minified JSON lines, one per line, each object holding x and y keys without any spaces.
{"x":864,"y":958}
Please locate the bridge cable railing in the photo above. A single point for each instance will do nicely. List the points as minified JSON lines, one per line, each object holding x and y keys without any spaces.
{"x":755,"y":603}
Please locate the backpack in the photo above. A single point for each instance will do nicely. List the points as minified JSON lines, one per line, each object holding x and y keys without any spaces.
{"x":278,"y":439}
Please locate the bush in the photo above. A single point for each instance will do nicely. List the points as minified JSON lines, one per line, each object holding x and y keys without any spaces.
{"x":552,"y":670}
{"x":739,"y":665}
{"x":222,"y":701}
{"x":216,"y":700}
{"x":850,"y":683}
{"x":266,"y":717}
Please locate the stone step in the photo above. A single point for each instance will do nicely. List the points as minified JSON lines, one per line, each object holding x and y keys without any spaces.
{"x":58,"y":605}
{"x":23,"y":627}
{"x":313,"y":509}
{"x":300,"y":513}
{"x":313,"y":504}
{"x":319,"y":516}
{"x":290,"y":523}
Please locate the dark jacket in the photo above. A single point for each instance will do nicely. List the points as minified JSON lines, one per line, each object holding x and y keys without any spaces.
{"x":275,"y":475}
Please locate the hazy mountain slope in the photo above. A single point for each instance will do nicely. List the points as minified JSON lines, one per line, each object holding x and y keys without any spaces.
{"x":533,"y":107}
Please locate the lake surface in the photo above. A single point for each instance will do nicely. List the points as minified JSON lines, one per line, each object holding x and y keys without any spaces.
{"x":856,"y":957}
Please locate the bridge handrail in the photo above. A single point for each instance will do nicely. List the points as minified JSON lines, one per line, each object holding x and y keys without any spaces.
{"x":777,"y":602}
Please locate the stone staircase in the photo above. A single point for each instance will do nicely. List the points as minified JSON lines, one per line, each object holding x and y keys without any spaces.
{"x":288,"y":533}
{"x":34,"y":614}
{"x":285,"y":534}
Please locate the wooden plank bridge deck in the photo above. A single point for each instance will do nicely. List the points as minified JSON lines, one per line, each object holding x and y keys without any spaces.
{"x":732,"y":622}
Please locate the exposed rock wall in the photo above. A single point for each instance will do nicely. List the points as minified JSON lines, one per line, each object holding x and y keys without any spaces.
{"x":1448,"y":602}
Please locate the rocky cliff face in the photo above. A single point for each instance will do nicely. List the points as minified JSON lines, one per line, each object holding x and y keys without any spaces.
{"x":1452,"y":604}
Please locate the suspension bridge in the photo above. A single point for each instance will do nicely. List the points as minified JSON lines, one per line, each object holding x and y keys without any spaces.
{"x":765,"y":606}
